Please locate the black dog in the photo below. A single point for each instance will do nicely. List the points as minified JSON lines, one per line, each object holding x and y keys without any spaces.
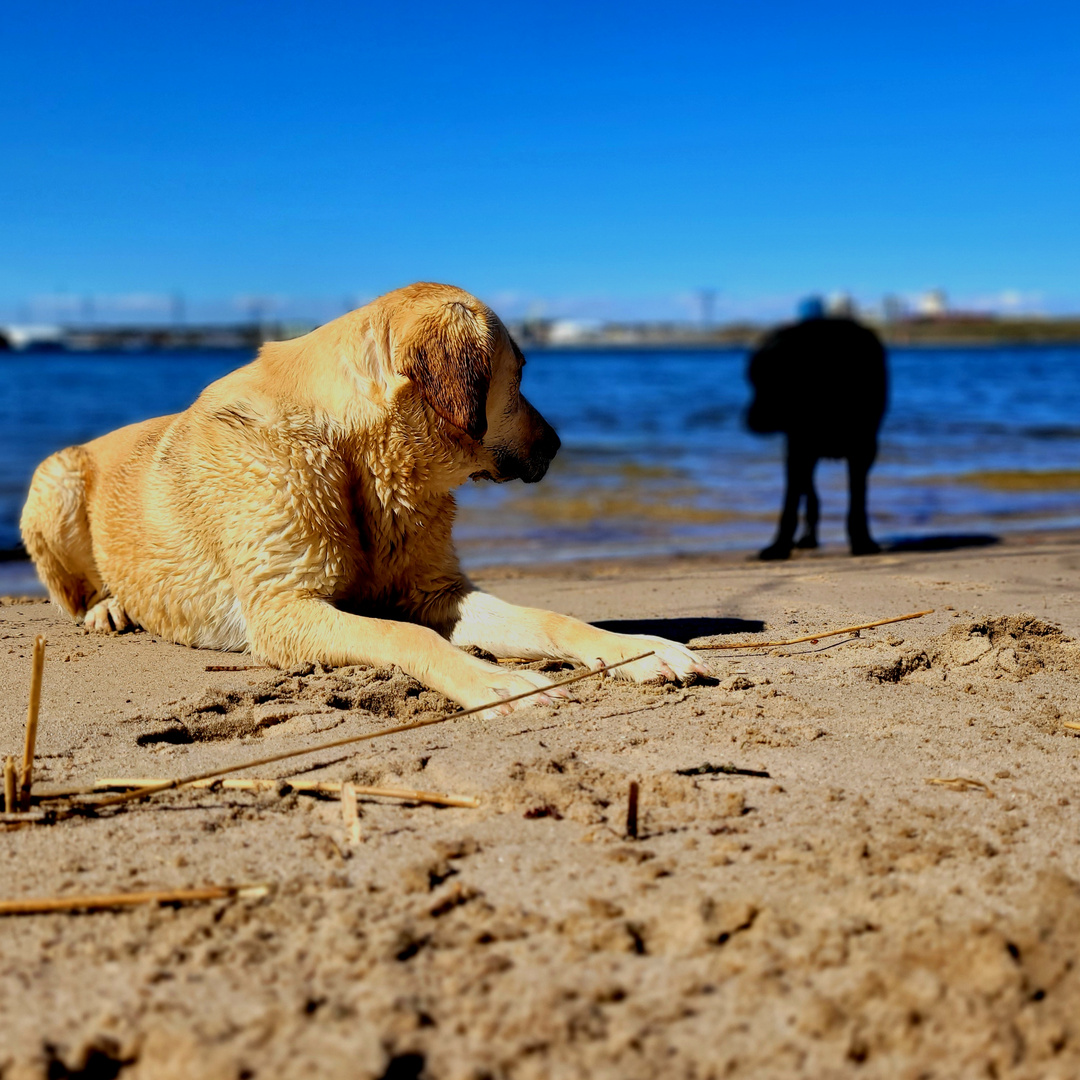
{"x":823,"y":383}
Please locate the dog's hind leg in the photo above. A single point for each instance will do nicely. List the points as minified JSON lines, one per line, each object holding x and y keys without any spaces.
{"x":107,"y":615}
{"x":56,"y":531}
{"x":862,"y":543}
{"x":800,"y":469}
{"x":813,"y":510}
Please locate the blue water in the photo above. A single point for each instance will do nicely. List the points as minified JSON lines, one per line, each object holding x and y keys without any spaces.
{"x":655,"y":458}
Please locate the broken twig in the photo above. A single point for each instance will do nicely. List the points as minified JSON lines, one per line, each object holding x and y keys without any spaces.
{"x":10,"y":777}
{"x":28,"y":817}
{"x":26,"y":779}
{"x":103,"y":901}
{"x":631,"y":810}
{"x":709,"y":769}
{"x":960,"y":783}
{"x":350,"y":813}
{"x":317,"y":787}
{"x":810,"y":637}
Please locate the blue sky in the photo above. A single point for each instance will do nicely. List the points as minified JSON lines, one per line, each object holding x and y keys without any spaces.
{"x":606,"y":159}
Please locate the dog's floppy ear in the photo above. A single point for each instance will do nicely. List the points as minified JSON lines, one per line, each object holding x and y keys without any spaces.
{"x":448,"y":356}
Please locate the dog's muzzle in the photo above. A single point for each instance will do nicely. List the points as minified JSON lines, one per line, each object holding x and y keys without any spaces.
{"x":530,"y":466}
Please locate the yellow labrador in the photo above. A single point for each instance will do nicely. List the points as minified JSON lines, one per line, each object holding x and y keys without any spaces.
{"x":301,"y":509}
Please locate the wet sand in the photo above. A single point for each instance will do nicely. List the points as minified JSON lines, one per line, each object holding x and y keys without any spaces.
{"x":839,"y":916}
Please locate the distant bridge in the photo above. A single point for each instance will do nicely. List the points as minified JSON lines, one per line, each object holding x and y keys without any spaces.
{"x":171,"y":337}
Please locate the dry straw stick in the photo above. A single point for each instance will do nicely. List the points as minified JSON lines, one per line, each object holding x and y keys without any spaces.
{"x":960,"y":783}
{"x":103,"y":901}
{"x":319,"y":787}
{"x":10,"y":785}
{"x":809,"y":637}
{"x":350,"y":812}
{"x":631,"y":810}
{"x":333,"y":744}
{"x":28,"y":817}
{"x":27,"y":777}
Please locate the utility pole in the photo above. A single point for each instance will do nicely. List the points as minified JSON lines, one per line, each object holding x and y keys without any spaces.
{"x":707,"y":302}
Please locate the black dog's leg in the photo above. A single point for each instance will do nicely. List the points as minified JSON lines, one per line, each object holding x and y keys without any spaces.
{"x":813,"y":510}
{"x":862,"y":543}
{"x":800,"y":467}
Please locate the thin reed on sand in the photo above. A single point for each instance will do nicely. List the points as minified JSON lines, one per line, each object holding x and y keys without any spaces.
{"x":961,"y":783}
{"x":350,"y":813}
{"x":632,"y":811}
{"x":26,"y":779}
{"x":104,"y":901}
{"x":810,"y":637}
{"x":11,"y":798}
{"x":316,"y":787}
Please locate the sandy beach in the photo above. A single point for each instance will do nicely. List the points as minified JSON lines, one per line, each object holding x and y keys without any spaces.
{"x":819,"y":909}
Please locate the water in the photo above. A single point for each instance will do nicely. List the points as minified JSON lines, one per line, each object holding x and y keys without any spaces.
{"x":655,"y":459}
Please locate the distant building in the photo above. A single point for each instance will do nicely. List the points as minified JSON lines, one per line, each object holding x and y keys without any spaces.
{"x":28,"y":337}
{"x":893,"y":308}
{"x":573,"y":331}
{"x":933,"y":303}
{"x":707,"y":303}
{"x":840,"y":305}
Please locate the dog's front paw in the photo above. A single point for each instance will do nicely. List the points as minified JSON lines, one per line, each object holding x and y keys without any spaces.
{"x":670,"y":661}
{"x":495,"y":684}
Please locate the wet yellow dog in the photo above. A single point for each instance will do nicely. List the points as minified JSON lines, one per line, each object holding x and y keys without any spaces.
{"x":301,"y":509}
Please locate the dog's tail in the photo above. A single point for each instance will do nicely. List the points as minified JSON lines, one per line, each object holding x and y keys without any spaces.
{"x":56,"y":531}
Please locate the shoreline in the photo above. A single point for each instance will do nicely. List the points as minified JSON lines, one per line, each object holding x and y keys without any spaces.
{"x":17,"y":576}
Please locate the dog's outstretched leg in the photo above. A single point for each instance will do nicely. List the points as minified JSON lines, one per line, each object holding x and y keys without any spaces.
{"x":287,"y":630}
{"x":478,"y":618}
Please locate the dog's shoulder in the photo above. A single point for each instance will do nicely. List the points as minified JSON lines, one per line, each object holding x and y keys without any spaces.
{"x":246,"y":406}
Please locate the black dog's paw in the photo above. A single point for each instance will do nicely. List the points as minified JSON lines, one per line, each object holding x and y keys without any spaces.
{"x":775,"y":553}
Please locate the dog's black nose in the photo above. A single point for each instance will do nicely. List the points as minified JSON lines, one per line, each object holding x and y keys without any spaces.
{"x":549,"y":442}
{"x":541,"y":452}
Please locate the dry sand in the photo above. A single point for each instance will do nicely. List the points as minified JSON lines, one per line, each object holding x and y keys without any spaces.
{"x":837,"y":917}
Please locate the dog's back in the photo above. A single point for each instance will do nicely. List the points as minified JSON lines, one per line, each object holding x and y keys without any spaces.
{"x":822,"y":381}
{"x":128,"y":512}
{"x":252,"y":487}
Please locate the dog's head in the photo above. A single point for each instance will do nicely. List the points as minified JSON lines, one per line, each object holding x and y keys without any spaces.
{"x":463,"y":365}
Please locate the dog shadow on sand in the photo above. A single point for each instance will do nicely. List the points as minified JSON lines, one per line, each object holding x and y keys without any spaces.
{"x":683,"y":630}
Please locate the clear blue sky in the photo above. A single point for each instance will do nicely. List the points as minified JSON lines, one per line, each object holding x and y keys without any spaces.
{"x":625,"y":153}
